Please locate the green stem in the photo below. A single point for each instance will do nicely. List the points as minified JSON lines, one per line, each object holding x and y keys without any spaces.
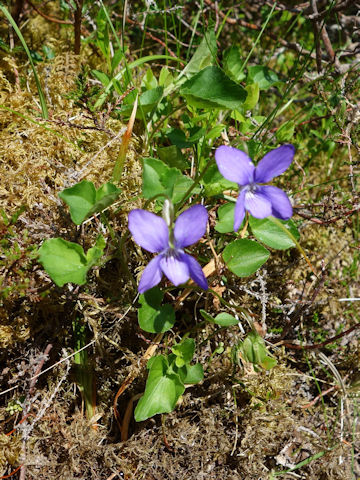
{"x":291,"y":236}
{"x":195,"y":184}
{"x":258,"y":39}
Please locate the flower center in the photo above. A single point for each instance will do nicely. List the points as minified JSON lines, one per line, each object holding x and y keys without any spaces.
{"x":172,"y":252}
{"x":252,"y":188}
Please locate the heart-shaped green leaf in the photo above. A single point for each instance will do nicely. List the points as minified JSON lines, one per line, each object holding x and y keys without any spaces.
{"x":272,"y":235}
{"x":159,"y":178}
{"x":147,"y":101}
{"x":243,"y":257}
{"x":204,"y":55}
{"x":233,"y":62}
{"x":84,"y":200}
{"x":211,"y":88}
{"x":66,"y":262}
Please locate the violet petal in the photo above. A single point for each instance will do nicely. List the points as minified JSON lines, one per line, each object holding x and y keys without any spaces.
{"x":258,"y":205}
{"x":281,"y":205}
{"x":149,"y":230}
{"x":151,"y":275}
{"x":274,"y":163}
{"x":239,"y":212}
{"x":174,"y":267}
{"x":235,"y":165}
{"x":196,"y":273}
{"x":190,"y":226}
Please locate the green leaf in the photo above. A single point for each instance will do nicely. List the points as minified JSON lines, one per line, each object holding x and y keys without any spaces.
{"x":36,"y":57}
{"x":173,"y":157}
{"x":48,"y":52}
{"x":116,"y":59}
{"x":203,"y":56}
{"x":215,"y":132}
{"x":162,"y":391}
{"x":254,"y":350}
{"x":222,"y":319}
{"x":211,"y":88}
{"x":253,"y":92}
{"x":149,"y":80}
{"x":165,"y":77}
{"x":193,"y":373}
{"x":206,"y":316}
{"x":65,"y":262}
{"x":243,"y":257}
{"x":148,"y":100}
{"x":152,"y":316}
{"x":124,"y":71}
{"x":101,"y":76}
{"x":265,"y":77}
{"x":84,"y":200}
{"x":272,"y":235}
{"x":225,"y":320}
{"x":184,"y":351}
{"x":225,"y":224}
{"x":215,"y":183}
{"x":233,"y":64}
{"x":177,"y":137}
{"x":159,"y":178}
{"x":94,"y":253}
{"x":106,"y":195}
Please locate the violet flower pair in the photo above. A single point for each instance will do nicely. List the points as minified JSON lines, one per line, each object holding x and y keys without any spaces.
{"x":156,"y":235}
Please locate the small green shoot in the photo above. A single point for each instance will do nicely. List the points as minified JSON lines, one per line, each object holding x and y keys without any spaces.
{"x":166,"y":381}
{"x":254,"y":350}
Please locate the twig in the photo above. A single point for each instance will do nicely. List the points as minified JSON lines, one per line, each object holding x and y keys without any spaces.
{"x":77,"y":26}
{"x":47,"y":17}
{"x":330,"y":220}
{"x":296,"y":317}
{"x":12,"y":473}
{"x":26,"y":429}
{"x":238,"y":21}
{"x":38,"y":370}
{"x":152,"y":37}
{"x":295,"y":346}
{"x":316,"y":28}
{"x":322,"y":394}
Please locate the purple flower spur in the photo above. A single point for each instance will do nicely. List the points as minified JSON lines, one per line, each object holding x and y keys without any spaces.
{"x":260,"y":200}
{"x":156,"y":235}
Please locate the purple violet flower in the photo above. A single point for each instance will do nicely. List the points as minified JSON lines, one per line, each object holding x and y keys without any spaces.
{"x":260,"y":200}
{"x":156,"y":235}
